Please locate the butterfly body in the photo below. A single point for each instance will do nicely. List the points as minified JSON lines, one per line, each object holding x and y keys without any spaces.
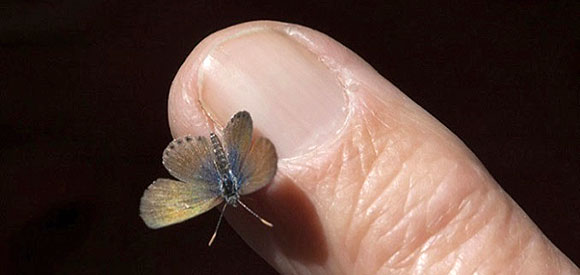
{"x":209,"y":172}
{"x":229,"y":183}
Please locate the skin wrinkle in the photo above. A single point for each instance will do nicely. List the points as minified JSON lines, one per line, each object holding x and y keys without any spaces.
{"x":336,"y":171}
{"x":515,"y":246}
{"x":345,"y":176}
{"x":450,"y":253}
{"x":351,"y":157}
{"x":431,"y":233}
{"x":334,"y":176}
{"x":505,"y":222}
{"x":473,"y":237}
{"x":407,"y":206}
{"x":342,"y":168}
{"x":522,"y":242}
{"x":523,"y":256}
{"x":442,"y":224}
{"x":559,"y":261}
{"x":367,"y":114}
{"x":473,"y":240}
{"x":493,"y":230}
{"x":407,"y":243}
{"x":323,"y":198}
{"x":366,"y":178}
{"x":361,"y":151}
{"x":373,"y":142}
{"x":437,"y":189}
{"x":458,"y":220}
{"x":373,"y":177}
{"x":357,"y":240}
{"x":416,"y":180}
{"x":400,"y":172}
{"x":380,"y":102}
{"x":404,"y":228}
{"x":367,"y":221}
{"x":400,"y":161}
{"x":366,"y":171}
{"x":349,"y":223}
{"x":334,"y":187}
{"x":431,"y":243}
{"x":401,"y":227}
{"x":420,"y":265}
{"x":458,"y":264}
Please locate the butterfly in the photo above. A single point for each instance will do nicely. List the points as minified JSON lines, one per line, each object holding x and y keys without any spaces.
{"x":210,"y":172}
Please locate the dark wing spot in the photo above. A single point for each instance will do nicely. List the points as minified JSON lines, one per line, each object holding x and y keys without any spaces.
{"x":241,"y":114}
{"x":179,"y":141}
{"x":188,"y":139}
{"x":171,"y":146}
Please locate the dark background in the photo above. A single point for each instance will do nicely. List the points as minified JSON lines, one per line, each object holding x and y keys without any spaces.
{"x":83,"y":115}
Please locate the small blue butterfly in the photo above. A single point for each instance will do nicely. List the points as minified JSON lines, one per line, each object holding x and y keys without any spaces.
{"x":209,"y":174}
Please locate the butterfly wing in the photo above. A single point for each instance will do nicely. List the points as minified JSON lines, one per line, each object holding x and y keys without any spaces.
{"x":259,"y":166}
{"x":190,"y":159}
{"x":167,"y":202}
{"x":237,"y":139}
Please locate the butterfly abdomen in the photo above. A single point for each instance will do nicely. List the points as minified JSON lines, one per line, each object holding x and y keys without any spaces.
{"x":222,"y":164}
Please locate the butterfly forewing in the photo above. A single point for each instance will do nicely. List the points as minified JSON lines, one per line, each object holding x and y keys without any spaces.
{"x":190,"y":160}
{"x":167,"y":202}
{"x":259,"y":166}
{"x":237,"y":139}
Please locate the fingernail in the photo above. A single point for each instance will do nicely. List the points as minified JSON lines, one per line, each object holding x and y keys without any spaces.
{"x":294,"y":99}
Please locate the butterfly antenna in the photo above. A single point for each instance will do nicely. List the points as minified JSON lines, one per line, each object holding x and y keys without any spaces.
{"x":256,"y":215}
{"x":218,"y":225}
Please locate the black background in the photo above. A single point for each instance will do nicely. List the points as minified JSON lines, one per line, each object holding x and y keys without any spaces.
{"x":83,"y":115}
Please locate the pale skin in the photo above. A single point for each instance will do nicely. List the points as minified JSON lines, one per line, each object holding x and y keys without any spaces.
{"x":368,"y":182}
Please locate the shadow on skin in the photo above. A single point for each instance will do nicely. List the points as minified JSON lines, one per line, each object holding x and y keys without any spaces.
{"x":297,"y":230}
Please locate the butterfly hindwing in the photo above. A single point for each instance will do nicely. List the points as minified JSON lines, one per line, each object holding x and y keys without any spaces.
{"x":259,"y":166}
{"x":237,"y":138}
{"x":167,"y":202}
{"x":190,"y":159}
